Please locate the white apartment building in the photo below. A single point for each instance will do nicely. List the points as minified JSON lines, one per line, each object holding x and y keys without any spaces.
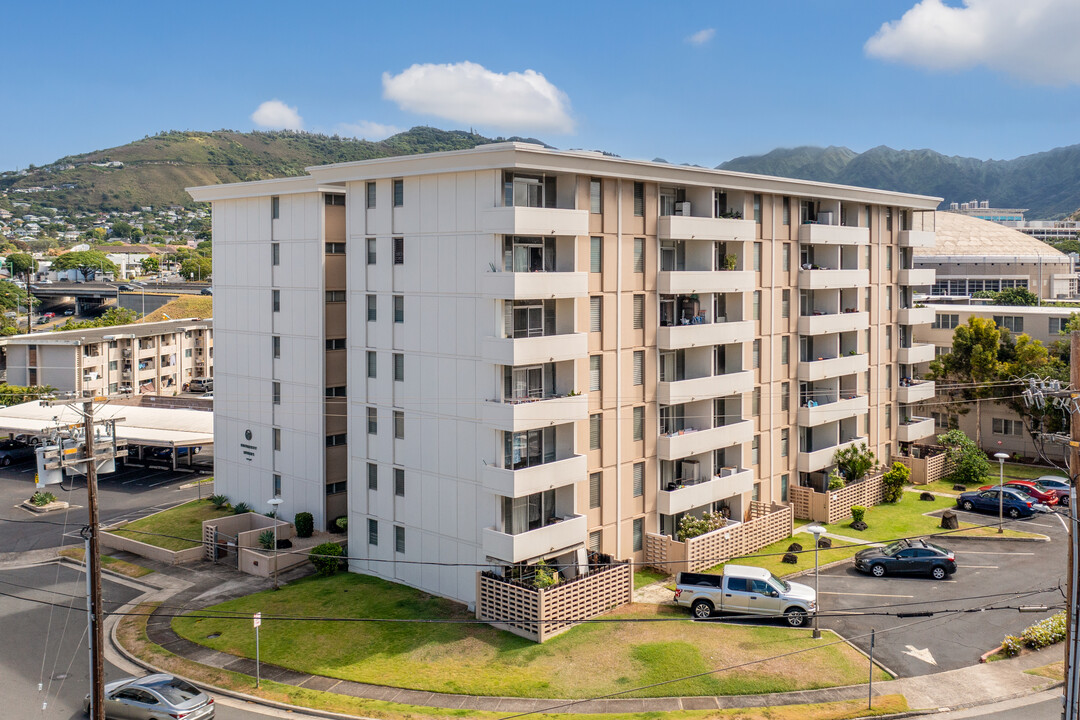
{"x":511,"y":353}
{"x":156,"y":358}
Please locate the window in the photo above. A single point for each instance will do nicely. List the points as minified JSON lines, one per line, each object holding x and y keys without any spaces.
{"x":1057,"y":325}
{"x":399,"y":482}
{"x":275,"y":253}
{"x":596,"y":364}
{"x":639,"y":255}
{"x":888,"y":298}
{"x":372,"y":523}
{"x":277,"y":438}
{"x":335,"y":296}
{"x":595,"y":489}
{"x":335,"y":343}
{"x":1013,"y":323}
{"x":785,"y":349}
{"x":755,"y":494}
{"x":785,"y":397}
{"x":372,"y":308}
{"x":370,"y":195}
{"x":399,"y":367}
{"x":639,"y":367}
{"x":595,"y":538}
{"x":757,"y":304}
{"x":275,"y":208}
{"x":594,"y":431}
{"x":757,"y":257}
{"x":596,"y":254}
{"x":275,"y":300}
{"x":869,"y":256}
{"x":639,"y":422}
{"x":335,"y":248}
{"x":756,"y":352}
{"x":372,"y":421}
{"x":785,"y":303}
{"x":596,"y":305}
{"x":639,"y":312}
{"x":372,"y":364}
{"x":399,"y":251}
{"x":787,"y":212}
{"x":888,"y":417}
{"x":333,"y":391}
{"x":888,"y":219}
{"x":372,"y":476}
{"x":399,"y":424}
{"x":757,"y":208}
{"x":275,"y":392}
{"x":399,"y":198}
{"x":372,"y":246}
{"x":888,"y":258}
{"x":276,"y":484}
{"x":399,"y":539}
{"x":639,"y":534}
{"x":399,"y":308}
{"x":639,"y":479}
{"x":785,"y":481}
{"x":595,"y":196}
{"x":755,"y":402}
{"x":275,"y":346}
{"x":1002,"y":426}
{"x":755,"y":450}
{"x":639,"y":199}
{"x":335,"y":440}
{"x":888,"y":337}
{"x":785,"y":256}
{"x":949,"y":321}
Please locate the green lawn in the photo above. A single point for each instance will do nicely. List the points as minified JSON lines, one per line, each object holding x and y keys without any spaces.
{"x":120,"y":566}
{"x":1013,"y":471}
{"x":590,"y":659}
{"x":647,"y":576}
{"x":182,"y":521}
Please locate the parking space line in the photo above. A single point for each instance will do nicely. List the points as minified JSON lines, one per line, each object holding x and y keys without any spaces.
{"x":984,"y":567}
{"x":973,"y":552}
{"x":822,"y":592}
{"x":1013,"y":526}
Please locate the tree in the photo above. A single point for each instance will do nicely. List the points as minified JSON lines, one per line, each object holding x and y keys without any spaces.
{"x":112,"y":316}
{"x":970,"y":466}
{"x":1016,"y":296}
{"x":855,"y":461}
{"x":85,"y":261}
{"x":196,"y":268}
{"x":15,"y":394}
{"x":972,"y":365}
{"x":21,"y":263}
{"x":893,"y":482}
{"x":123,"y":229}
{"x":150,"y":264}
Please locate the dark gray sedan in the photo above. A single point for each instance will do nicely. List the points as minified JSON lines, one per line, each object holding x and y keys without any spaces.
{"x":907,"y":557}
{"x":13,"y":451}
{"x":155,"y":696}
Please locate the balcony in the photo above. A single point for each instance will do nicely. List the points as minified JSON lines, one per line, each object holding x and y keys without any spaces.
{"x":917,"y":353}
{"x":824,"y":368}
{"x":675,"y":447}
{"x":530,"y":480}
{"x":917,"y":238}
{"x":833,"y":323}
{"x":567,"y":534}
{"x":917,"y":391}
{"x":683,"y":227}
{"x":535,"y":350}
{"x":831,"y":411}
{"x":534,"y":285}
{"x":916,"y":316}
{"x":730,"y":481}
{"x":689,"y":282}
{"x":703,"y":388}
{"x":915,"y":429}
{"x":534,"y":221}
{"x":531,"y":414}
{"x":823,"y":457}
{"x":834,"y":234}
{"x":832,"y":279}
{"x":720,"y":333}
{"x":917,"y":277}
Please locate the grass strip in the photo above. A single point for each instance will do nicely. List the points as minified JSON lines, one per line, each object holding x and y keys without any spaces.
{"x":123,"y":567}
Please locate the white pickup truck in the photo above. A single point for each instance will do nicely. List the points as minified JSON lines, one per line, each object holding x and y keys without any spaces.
{"x":745,"y":590}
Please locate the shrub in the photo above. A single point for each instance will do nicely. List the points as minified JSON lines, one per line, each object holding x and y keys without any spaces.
{"x":241,"y":508}
{"x":266,"y":539}
{"x":325,"y":558}
{"x":1011,"y":646}
{"x":857,"y":513}
{"x":691,"y":527}
{"x":218,"y":501}
{"x":893,"y":482}
{"x":836,"y":480}
{"x":41,"y":499}
{"x":342,"y":523}
{"x":305,"y":524}
{"x":970,"y":466}
{"x":1042,"y":634}
{"x":545,"y":576}
{"x":855,"y":461}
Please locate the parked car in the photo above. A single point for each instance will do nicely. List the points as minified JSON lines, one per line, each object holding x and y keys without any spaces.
{"x":164,"y":453}
{"x":1059,"y":485}
{"x":1015,"y":504}
{"x":48,"y":316}
{"x":206,"y":291}
{"x":46,"y":281}
{"x":125,"y":288}
{"x":1029,"y":487}
{"x":746,"y":591}
{"x":201,"y":385}
{"x":207,"y":396}
{"x":13,"y":451}
{"x":69,"y":312}
{"x":907,"y":557}
{"x":155,"y":696}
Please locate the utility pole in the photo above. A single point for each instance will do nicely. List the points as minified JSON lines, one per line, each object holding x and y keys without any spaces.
{"x":1071,"y":710}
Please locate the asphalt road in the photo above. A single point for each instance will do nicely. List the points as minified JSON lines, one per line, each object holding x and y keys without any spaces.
{"x":1045,"y":705}
{"x":989,"y":572}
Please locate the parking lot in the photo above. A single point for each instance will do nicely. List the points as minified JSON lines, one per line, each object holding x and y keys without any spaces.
{"x":990,"y":572}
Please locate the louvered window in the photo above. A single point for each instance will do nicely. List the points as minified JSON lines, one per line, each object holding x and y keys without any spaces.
{"x":595,"y":314}
{"x":596,"y":364}
{"x":372,"y":476}
{"x":372,"y":363}
{"x":639,"y":254}
{"x":596,"y":254}
{"x":639,"y":479}
{"x":639,"y":199}
{"x":639,"y":367}
{"x":595,"y":485}
{"x":639,"y":534}
{"x":594,"y":431}
{"x":639,"y":423}
{"x":639,"y":312}
{"x":594,"y":540}
{"x":595,"y":196}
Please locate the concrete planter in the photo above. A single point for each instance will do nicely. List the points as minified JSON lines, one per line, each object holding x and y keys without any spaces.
{"x":56,"y":505}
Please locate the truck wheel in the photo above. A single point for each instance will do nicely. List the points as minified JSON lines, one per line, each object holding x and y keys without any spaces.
{"x":796,"y":617}
{"x":702,"y":609}
{"x":877,"y":570}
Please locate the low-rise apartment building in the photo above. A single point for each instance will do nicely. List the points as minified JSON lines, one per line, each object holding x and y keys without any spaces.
{"x":492,"y":357}
{"x":158,"y":358}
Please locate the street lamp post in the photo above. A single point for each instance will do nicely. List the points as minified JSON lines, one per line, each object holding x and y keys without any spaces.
{"x":817,"y":531}
{"x":1001,"y":457}
{"x":275,"y":503}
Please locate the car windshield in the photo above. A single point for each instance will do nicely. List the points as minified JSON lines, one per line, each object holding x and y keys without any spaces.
{"x":176,"y":691}
{"x":893,"y":549}
{"x":1041,"y":488}
{"x":778,"y":584}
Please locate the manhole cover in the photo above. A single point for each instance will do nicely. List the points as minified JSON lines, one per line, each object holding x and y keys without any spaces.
{"x":211,"y":636}
{"x":60,"y":676}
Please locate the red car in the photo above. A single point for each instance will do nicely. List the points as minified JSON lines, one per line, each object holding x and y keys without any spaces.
{"x":1045,"y":495}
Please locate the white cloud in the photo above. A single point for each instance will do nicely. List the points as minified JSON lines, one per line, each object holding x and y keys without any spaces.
{"x":277,"y":115}
{"x":367,"y":130}
{"x":701,"y":36}
{"x":471,"y":94}
{"x":1033,"y":40}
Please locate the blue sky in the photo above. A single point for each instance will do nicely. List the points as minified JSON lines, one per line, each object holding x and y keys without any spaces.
{"x":963,"y":77}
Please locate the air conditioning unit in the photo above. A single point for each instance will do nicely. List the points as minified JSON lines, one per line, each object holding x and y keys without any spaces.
{"x":682,"y":208}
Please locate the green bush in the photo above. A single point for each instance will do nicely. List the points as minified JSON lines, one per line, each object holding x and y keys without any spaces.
{"x":855,"y":461}
{"x":305,"y":524}
{"x":691,"y":527}
{"x":241,"y":508}
{"x":970,"y":466}
{"x":1012,"y":645}
{"x":893,"y":482}
{"x":325,"y":558}
{"x":342,"y":523}
{"x":857,"y":513}
{"x":266,"y":539}
{"x":1045,"y":632}
{"x":218,"y":501}
{"x":545,"y":576}
{"x":836,"y":480}
{"x":41,"y":499}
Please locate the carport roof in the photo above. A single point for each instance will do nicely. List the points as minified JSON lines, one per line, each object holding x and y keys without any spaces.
{"x":140,"y":426}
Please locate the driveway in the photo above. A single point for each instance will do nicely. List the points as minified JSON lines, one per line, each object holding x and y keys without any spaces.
{"x":989,"y":572}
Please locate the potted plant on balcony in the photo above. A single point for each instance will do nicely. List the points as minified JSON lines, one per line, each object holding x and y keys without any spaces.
{"x":545,"y":576}
{"x":731,"y":262}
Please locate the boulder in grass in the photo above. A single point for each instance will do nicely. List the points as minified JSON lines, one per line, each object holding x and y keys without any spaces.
{"x":949,"y":521}
{"x":859,"y":525}
{"x":926,"y":496}
{"x":794,"y":548}
{"x":959,"y":488}
{"x":790,"y":558}
{"x":824,"y":543}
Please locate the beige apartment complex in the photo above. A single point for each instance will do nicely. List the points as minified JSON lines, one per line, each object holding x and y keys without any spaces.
{"x":157,"y":358}
{"x":507,"y":354}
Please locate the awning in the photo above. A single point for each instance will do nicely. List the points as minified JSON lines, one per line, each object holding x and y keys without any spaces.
{"x":157,"y":427}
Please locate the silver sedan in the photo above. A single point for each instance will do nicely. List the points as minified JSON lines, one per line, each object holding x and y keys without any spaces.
{"x":155,"y":696}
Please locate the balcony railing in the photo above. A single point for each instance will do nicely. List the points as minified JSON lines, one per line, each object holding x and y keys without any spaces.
{"x":825,"y":323}
{"x":917,"y":238}
{"x":535,"y":350}
{"x":915,"y":428}
{"x":820,"y":234}
{"x":534,"y":221}
{"x":534,"y":285}
{"x":916,"y":316}
{"x":822,"y":367}
{"x":822,"y":457}
{"x":682,"y":496}
{"x":703,"y":388}
{"x":915,"y":391}
{"x":567,"y":533}
{"x":826,"y":279}
{"x":684,"y":227}
{"x":689,"y":282}
{"x":538,"y":478}
{"x":916,"y":353}
{"x":531,"y":413}
{"x":694,"y":441}
{"x":821,"y":410}
{"x":673,"y":337}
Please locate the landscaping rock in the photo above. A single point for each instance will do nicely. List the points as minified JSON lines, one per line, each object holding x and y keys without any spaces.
{"x":284,"y":544}
{"x":949,"y":521}
{"x":926,"y":496}
{"x":824,"y":543}
{"x":790,"y":559}
{"x":960,"y":488}
{"x":860,"y":525}
{"x":794,"y":548}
